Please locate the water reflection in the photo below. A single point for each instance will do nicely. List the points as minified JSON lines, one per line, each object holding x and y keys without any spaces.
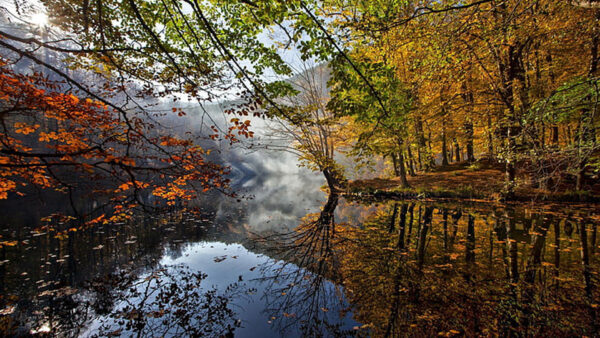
{"x":311,"y":300}
{"x":168,"y":301}
{"x":429,"y":269}
{"x":380,"y":269}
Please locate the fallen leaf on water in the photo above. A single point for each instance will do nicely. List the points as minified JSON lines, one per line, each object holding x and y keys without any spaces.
{"x":8,"y":310}
{"x":220,"y":259}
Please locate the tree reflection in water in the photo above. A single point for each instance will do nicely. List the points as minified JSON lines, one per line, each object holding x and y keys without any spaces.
{"x":427,"y":269}
{"x":385,"y":269}
{"x":169,"y":301}
{"x":307,"y":300}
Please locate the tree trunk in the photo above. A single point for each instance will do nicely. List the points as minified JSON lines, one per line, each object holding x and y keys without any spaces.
{"x":509,"y":170}
{"x":332,"y":181}
{"x":402,"y":167}
{"x":580,"y":175}
{"x":490,"y":139}
{"x":555,"y":136}
{"x":395,"y":164}
{"x":456,"y":150}
{"x":403,"y":180}
{"x":421,"y":143}
{"x":469,"y":138}
{"x":444,"y":145}
{"x":411,"y":161}
{"x":430,"y":158}
{"x":468,"y":124}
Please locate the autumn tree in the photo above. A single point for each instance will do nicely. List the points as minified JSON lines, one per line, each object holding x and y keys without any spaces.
{"x":85,"y":113}
{"x":317,"y":134}
{"x":501,"y":77}
{"x":382,"y":132}
{"x":53,"y":139}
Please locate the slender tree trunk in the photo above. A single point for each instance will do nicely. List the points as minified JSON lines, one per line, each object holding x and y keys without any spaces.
{"x":543,"y":136}
{"x":430,"y":157}
{"x":555,"y":136}
{"x":395,"y":164}
{"x":444,"y":146}
{"x":411,"y":161}
{"x":456,"y":150}
{"x":421,"y":143}
{"x":490,"y":139}
{"x":510,"y":171}
{"x":403,"y":179}
{"x":468,"y":124}
{"x":469,"y":137}
{"x":513,"y":73}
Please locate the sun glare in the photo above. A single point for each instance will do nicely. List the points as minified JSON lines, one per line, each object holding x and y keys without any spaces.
{"x":39,"y":19}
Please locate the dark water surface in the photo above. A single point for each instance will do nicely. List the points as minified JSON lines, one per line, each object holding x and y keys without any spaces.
{"x":293,"y":261}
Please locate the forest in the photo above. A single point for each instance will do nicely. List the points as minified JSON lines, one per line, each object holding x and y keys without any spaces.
{"x":123,"y":123}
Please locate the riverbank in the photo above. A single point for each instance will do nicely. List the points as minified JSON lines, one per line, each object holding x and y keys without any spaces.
{"x":481,"y":180}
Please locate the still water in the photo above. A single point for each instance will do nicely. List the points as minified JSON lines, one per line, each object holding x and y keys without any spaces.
{"x":288,"y":260}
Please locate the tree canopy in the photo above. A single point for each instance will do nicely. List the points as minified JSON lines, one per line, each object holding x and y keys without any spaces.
{"x":425,"y":83}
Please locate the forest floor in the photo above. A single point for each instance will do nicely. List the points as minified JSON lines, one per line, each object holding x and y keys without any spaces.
{"x":482,"y":180}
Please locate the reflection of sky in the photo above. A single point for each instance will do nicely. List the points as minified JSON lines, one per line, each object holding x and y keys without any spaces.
{"x":201,"y":257}
{"x":206,"y":257}
{"x":227,"y":264}
{"x":279,"y":201}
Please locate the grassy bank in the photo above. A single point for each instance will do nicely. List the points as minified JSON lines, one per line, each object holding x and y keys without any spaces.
{"x":479,"y":181}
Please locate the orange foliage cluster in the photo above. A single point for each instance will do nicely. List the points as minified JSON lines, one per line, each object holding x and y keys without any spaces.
{"x":52,"y":138}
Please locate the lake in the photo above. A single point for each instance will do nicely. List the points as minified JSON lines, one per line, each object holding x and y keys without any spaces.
{"x":286,"y":259}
